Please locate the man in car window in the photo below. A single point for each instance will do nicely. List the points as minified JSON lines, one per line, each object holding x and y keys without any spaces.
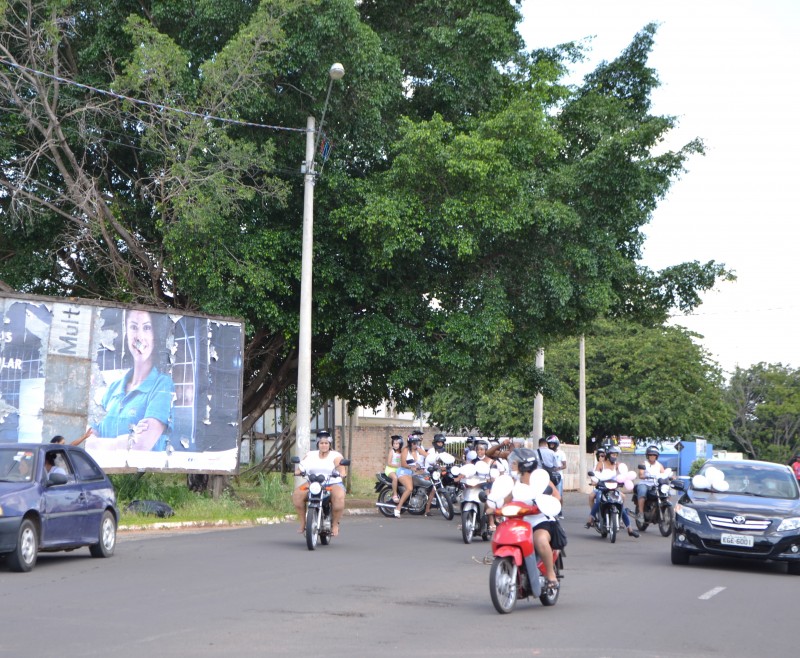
{"x":50,"y":465}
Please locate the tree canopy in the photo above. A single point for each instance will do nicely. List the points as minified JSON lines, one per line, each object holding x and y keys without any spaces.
{"x":473,"y":206}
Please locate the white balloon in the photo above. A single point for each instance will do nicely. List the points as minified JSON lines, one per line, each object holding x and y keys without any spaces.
{"x":722,"y":485}
{"x":621,"y":478}
{"x":494,"y":473}
{"x":700,"y":482}
{"x":471,"y":455}
{"x":630,"y":476}
{"x":523,"y":492}
{"x":482,"y":468}
{"x":502,"y":486}
{"x":468,"y":470}
{"x":667,"y":473}
{"x":446,"y":458}
{"x":455,"y":471}
{"x":712,"y":473}
{"x":539,"y":481}
{"x":622,"y":469}
{"x":548,"y":505}
{"x":628,"y":485}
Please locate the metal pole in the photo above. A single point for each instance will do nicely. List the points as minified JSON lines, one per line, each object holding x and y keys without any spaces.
{"x":538,"y":403}
{"x":582,"y":468}
{"x":303,"y":430}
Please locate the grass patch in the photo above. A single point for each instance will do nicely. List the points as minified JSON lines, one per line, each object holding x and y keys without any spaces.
{"x":244,"y":500}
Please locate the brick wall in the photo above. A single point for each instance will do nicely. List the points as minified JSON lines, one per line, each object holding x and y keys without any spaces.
{"x":371,"y":445}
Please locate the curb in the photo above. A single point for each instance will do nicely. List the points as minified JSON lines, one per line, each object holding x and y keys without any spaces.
{"x":223,"y":523}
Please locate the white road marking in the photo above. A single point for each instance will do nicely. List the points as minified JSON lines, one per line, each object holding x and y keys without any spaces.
{"x":710,"y":593}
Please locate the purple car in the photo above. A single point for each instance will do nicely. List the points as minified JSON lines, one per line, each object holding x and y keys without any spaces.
{"x":53,"y":498}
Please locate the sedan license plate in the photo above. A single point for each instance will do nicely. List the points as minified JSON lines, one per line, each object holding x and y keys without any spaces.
{"x":746,"y":541}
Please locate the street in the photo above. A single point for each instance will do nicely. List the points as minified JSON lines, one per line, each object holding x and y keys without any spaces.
{"x":385,"y":586}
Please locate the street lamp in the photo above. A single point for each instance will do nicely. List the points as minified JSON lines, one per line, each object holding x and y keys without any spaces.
{"x":303,"y":425}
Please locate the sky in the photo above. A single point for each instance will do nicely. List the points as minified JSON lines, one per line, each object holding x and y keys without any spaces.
{"x":729,"y":70}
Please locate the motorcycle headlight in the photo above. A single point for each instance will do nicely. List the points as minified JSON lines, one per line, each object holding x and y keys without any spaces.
{"x":688,"y":513}
{"x":789,"y":524}
{"x":435,"y":475}
{"x":665,"y":488}
{"x":315,"y":488}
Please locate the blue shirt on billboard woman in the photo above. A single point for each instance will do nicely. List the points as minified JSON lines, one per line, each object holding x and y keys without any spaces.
{"x":151,"y":399}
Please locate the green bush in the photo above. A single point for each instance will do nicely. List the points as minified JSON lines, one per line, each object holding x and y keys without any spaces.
{"x":697,"y":464}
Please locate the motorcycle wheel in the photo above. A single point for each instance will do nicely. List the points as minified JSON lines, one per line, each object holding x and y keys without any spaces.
{"x":467,"y":525}
{"x":613,"y":526}
{"x":385,"y":496}
{"x":665,"y":523}
{"x":445,"y":505}
{"x":550,"y":596}
{"x":325,"y":537}
{"x":312,"y":529}
{"x":503,"y":584}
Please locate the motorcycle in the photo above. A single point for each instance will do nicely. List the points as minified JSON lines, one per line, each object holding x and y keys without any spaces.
{"x":438,"y":470}
{"x":657,"y":507}
{"x":517,"y":571}
{"x":422,"y":483}
{"x":474,"y":521}
{"x":608,"y":518}
{"x":318,"y":506}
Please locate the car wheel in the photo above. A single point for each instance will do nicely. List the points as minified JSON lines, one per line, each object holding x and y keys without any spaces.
{"x":793,"y":568}
{"x":23,"y":558}
{"x":679,"y":555}
{"x":108,"y":537}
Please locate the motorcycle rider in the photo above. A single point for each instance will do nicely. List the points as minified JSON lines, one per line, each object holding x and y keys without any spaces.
{"x":410,"y":463}
{"x":439,"y":441}
{"x":648,"y":476}
{"x":553,"y":443}
{"x":524,"y":462}
{"x":599,"y":466}
{"x":393,"y":463}
{"x":324,"y":460}
{"x":481,"y":446}
{"x":612,"y":455}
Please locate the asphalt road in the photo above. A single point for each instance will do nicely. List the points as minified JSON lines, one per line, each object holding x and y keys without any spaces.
{"x":407,"y":587}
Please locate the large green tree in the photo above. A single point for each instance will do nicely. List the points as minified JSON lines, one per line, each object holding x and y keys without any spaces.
{"x":473,"y":205}
{"x":641,"y":381}
{"x":766,"y":403}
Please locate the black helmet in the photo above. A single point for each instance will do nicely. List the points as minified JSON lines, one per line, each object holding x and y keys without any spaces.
{"x":470,"y":440}
{"x":414,"y":438}
{"x":525,"y":459}
{"x":613,"y":453}
{"x":396,"y":437}
{"x":600,"y":451}
{"x":439,"y":441}
{"x":553,"y":439}
{"x":324,"y":435}
{"x":417,"y":433}
{"x":651,"y":450}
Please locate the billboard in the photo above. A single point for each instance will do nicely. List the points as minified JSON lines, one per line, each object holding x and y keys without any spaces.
{"x":149,"y":388}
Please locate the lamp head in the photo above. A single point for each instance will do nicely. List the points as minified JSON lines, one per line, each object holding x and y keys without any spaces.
{"x":336,"y":71}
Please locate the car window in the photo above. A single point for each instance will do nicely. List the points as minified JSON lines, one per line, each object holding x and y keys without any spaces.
{"x":85,"y":468}
{"x":16,"y":465}
{"x":759,"y":481}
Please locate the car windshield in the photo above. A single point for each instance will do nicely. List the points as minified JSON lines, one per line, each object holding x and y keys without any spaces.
{"x":15,"y":465}
{"x":754,"y":480}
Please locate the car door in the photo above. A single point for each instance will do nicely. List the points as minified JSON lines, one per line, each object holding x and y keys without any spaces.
{"x":63,"y":508}
{"x":97,"y":492}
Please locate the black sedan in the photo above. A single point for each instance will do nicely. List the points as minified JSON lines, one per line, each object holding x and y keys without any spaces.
{"x":744,"y":509}
{"x":53,"y":498}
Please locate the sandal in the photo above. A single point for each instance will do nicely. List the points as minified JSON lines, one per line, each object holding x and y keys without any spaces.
{"x":552,"y":584}
{"x":589,"y":524}
{"x":396,"y":513}
{"x":395,"y":499}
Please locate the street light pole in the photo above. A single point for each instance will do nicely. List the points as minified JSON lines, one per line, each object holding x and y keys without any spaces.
{"x":303,"y":424}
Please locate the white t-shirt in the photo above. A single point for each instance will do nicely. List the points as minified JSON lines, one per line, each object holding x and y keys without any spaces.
{"x":313,"y":464}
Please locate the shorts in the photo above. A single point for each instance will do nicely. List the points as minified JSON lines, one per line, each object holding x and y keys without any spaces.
{"x":389,"y":470}
{"x":404,"y":471}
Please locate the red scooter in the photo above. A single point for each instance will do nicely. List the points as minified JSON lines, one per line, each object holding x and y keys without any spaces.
{"x":517,"y":571}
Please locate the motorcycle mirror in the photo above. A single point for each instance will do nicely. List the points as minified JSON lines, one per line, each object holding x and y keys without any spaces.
{"x":295,"y":460}
{"x":678,"y":485}
{"x":345,"y":462}
{"x":590,"y":474}
{"x":482,"y":496}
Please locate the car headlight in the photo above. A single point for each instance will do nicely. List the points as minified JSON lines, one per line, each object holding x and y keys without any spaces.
{"x":1,"y":510}
{"x":688,"y":513}
{"x":787,"y":524}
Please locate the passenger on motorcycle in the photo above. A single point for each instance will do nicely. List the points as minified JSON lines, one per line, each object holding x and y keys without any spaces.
{"x":599,"y":467}
{"x":481,"y":446}
{"x":439,"y":441}
{"x":523,"y":461}
{"x":648,"y":475}
{"x":469,"y":446}
{"x":393,"y":463}
{"x":324,"y":460}
{"x":612,"y":456}
{"x":410,"y":462}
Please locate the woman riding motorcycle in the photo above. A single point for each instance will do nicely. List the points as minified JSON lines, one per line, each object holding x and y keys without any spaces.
{"x":612,"y":456}
{"x":324,"y":460}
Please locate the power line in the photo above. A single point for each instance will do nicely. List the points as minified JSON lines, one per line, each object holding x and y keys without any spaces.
{"x":139,"y":101}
